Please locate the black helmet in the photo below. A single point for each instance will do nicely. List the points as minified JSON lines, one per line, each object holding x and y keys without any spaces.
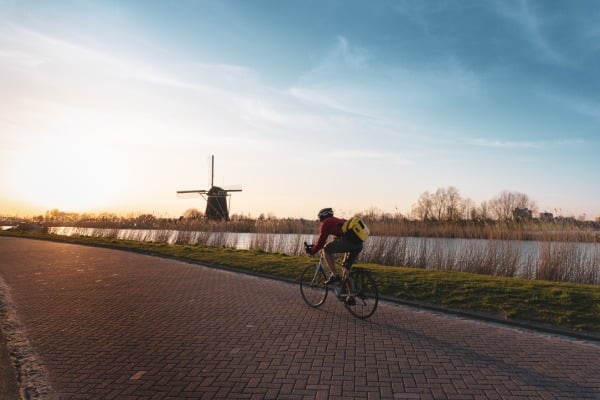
{"x":325,"y":213}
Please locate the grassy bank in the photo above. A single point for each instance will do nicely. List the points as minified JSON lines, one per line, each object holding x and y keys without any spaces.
{"x":565,"y":305}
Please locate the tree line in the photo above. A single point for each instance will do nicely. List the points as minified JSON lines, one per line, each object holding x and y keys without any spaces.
{"x":446,"y":204}
{"x":442,"y":208}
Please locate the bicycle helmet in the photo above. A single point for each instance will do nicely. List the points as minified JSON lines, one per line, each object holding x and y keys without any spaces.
{"x":325,"y":213}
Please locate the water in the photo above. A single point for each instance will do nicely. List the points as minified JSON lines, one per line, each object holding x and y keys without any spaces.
{"x":579,"y":262}
{"x":242,"y":241}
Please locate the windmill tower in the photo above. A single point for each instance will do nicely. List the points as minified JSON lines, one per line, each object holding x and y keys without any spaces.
{"x":217,"y":207}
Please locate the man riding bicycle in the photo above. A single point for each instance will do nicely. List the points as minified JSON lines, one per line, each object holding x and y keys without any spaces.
{"x":344,"y":243}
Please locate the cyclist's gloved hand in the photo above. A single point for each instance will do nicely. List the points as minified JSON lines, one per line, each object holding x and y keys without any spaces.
{"x":308,"y":248}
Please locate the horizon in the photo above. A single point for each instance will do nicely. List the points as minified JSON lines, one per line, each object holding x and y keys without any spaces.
{"x":113,"y":107}
{"x":536,"y":213}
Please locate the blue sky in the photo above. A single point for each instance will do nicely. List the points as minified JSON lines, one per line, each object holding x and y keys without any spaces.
{"x":115,"y":105}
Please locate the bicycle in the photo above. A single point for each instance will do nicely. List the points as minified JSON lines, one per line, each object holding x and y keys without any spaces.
{"x":360,"y":283}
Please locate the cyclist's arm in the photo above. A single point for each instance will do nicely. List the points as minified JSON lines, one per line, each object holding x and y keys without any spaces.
{"x":320,"y":242}
{"x":324,"y":232}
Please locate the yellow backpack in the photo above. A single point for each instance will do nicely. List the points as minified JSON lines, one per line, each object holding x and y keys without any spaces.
{"x":356,"y":226}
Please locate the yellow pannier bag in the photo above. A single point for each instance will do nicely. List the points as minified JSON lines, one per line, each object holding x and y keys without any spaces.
{"x":356,"y":226}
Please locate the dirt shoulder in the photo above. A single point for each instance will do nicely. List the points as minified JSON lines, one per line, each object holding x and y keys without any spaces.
{"x":9,"y":389}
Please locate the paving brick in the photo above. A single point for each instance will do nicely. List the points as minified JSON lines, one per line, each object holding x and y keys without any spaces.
{"x":115,"y":325}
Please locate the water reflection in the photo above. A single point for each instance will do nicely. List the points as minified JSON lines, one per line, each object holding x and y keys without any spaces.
{"x":575,"y":262}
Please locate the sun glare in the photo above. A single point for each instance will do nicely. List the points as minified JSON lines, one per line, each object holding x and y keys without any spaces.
{"x":68,"y":173}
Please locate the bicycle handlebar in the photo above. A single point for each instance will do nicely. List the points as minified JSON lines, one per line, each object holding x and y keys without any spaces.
{"x":307,"y":247}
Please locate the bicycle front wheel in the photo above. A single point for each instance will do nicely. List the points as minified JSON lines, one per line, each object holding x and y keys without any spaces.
{"x":366,"y":294}
{"x":312,"y":285}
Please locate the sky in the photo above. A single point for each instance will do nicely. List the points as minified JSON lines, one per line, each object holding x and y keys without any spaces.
{"x":113,"y":106}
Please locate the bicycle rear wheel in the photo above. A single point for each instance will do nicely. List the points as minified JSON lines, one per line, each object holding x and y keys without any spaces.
{"x":312,"y":285}
{"x":366,"y":294}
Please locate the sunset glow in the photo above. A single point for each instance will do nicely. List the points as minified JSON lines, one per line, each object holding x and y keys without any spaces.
{"x":114,"y":106}
{"x":67,"y":173}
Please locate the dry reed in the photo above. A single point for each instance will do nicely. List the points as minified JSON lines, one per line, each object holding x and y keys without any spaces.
{"x":568,"y":262}
{"x":546,"y":260}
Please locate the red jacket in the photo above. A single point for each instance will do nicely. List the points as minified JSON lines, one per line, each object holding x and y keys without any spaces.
{"x":330,"y":226}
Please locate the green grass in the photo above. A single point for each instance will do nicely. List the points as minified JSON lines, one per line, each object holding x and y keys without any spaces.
{"x":565,"y":305}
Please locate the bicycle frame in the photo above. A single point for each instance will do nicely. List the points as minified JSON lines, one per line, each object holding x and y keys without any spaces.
{"x":346,"y":279}
{"x":357,"y":289}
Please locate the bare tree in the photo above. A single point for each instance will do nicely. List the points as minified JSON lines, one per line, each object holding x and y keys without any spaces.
{"x":193,"y":213}
{"x":438,"y":205}
{"x":371,"y":214}
{"x":454,"y":203}
{"x":423,"y":210}
{"x":445,"y":204}
{"x":485,"y":212}
{"x":469,"y":209}
{"x":504,"y":205}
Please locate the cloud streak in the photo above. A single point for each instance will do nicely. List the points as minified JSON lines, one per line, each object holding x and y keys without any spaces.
{"x":525,"y":144}
{"x":523,"y":14}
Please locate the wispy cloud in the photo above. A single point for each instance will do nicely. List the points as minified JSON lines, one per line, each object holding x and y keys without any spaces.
{"x":523,"y":14}
{"x":591,"y":109}
{"x":58,"y":71}
{"x":349,"y":79}
{"x":524,"y":144}
{"x":591,"y":32}
{"x":320,"y":86}
{"x":343,"y":56}
{"x":321,"y":98}
{"x":362,"y":154}
{"x":452,"y":77}
{"x":420,"y":12}
{"x":580,"y":105}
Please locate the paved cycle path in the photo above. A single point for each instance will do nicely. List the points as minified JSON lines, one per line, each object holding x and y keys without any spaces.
{"x":107,"y":324}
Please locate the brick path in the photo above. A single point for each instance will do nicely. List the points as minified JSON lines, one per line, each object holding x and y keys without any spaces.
{"x":115,"y":325}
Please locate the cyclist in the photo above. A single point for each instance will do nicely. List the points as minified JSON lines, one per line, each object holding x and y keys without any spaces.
{"x":343,"y":243}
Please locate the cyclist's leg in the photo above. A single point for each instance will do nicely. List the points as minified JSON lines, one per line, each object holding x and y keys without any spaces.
{"x":331,"y":248}
{"x":351,"y":258}
{"x":352,"y":252}
{"x":330,"y":262}
{"x":345,"y":259}
{"x":346,"y":246}
{"x":338,"y":247}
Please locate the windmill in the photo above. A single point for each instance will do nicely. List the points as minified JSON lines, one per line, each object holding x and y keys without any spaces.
{"x":217,"y":207}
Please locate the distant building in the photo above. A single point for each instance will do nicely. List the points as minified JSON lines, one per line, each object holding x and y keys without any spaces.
{"x":522,"y":213}
{"x":546,"y":216}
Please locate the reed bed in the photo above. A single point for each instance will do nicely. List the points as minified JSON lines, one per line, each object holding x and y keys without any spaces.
{"x":556,"y":229}
{"x":542,"y":260}
{"x":568,"y":262}
{"x":483,"y":257}
{"x":292,"y":244}
{"x":192,"y":237}
{"x":554,"y":261}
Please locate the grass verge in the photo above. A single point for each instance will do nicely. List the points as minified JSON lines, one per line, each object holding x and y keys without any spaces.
{"x":567,"y":306}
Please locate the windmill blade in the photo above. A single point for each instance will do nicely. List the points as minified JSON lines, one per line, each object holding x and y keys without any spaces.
{"x":187,"y":194}
{"x":232,"y":188}
{"x":200,"y":191}
{"x":211,"y":170}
